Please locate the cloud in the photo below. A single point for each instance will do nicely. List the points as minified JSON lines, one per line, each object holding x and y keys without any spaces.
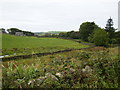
{"x":39,"y":15}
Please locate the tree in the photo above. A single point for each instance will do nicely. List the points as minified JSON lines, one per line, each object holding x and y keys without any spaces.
{"x":116,"y":39}
{"x":27,"y":33}
{"x":117,"y":34}
{"x":109,"y":28}
{"x":62,"y":34}
{"x":2,"y":30}
{"x":13,"y":30}
{"x":100,"y":37}
{"x":48,"y":35}
{"x":86,"y":29}
{"x":73,"y":35}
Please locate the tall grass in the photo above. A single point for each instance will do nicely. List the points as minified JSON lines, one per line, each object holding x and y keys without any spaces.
{"x":104,"y":72}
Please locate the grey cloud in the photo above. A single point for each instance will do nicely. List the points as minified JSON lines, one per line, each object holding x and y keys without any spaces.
{"x":44,"y":15}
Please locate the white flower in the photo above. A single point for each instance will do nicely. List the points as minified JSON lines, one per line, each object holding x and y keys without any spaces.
{"x":29,"y":83}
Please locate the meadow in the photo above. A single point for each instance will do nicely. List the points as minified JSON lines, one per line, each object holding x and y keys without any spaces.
{"x":18,"y":45}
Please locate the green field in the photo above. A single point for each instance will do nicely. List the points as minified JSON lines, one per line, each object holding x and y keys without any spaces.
{"x":27,"y":45}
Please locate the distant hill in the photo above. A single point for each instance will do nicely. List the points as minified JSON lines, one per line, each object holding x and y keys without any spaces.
{"x":55,"y":32}
{"x":50,"y":32}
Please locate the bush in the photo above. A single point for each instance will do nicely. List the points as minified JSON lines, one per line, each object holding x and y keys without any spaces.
{"x":100,"y":37}
{"x":86,"y":29}
{"x":114,"y":41}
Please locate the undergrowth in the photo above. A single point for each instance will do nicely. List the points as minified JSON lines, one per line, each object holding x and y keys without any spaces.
{"x":40,"y":72}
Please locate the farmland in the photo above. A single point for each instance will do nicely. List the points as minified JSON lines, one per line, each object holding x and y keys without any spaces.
{"x":17,"y":45}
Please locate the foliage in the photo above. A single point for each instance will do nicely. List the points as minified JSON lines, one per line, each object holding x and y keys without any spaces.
{"x":31,"y":73}
{"x":117,"y":34}
{"x":51,"y":33}
{"x":18,"y":75}
{"x":62,"y":34}
{"x":100,"y":37}
{"x":116,"y":39}
{"x":109,"y":28}
{"x":14,"y":30}
{"x":2,"y":30}
{"x":68,"y":35}
{"x":86,"y":29}
{"x":71,"y":35}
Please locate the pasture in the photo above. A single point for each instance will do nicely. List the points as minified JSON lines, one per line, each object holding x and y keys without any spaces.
{"x":18,"y":45}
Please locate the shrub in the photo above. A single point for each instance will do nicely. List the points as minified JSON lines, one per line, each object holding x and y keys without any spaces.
{"x":116,"y":41}
{"x":100,"y":37}
{"x":86,"y":29}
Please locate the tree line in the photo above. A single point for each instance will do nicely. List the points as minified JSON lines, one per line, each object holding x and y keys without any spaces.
{"x":91,"y":32}
{"x":13,"y":31}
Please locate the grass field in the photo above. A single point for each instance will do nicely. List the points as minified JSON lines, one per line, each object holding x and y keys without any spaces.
{"x":27,"y":45}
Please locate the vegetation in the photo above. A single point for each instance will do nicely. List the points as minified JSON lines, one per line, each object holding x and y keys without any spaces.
{"x":71,"y":35}
{"x":50,"y":33}
{"x":86,"y":34}
{"x":97,"y":67}
{"x":100,"y":37}
{"x":0,"y":43}
{"x":109,"y":28}
{"x":86,"y":29}
{"x":116,"y":39}
{"x":92,"y":68}
{"x":2,"y":30}
{"x":55,"y":32}
{"x":27,"y":45}
{"x":13,"y":31}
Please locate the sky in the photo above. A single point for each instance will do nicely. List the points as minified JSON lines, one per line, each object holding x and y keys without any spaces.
{"x":56,"y":15}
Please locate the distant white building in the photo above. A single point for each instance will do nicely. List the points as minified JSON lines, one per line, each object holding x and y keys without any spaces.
{"x":19,"y":34}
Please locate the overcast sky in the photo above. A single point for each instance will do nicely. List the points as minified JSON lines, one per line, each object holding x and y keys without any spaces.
{"x":56,"y":15}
